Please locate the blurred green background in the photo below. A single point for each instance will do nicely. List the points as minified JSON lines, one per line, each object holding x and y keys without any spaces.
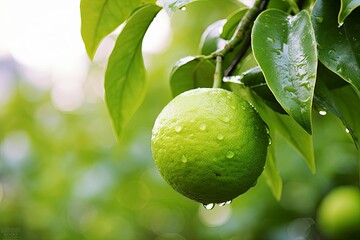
{"x":63,"y":174}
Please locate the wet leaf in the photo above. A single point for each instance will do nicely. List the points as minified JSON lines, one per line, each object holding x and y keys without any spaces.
{"x":348,"y":102}
{"x":341,"y":52}
{"x":347,"y":6}
{"x":125,"y":79}
{"x":284,"y":47}
{"x":191,"y":72}
{"x":325,"y":100}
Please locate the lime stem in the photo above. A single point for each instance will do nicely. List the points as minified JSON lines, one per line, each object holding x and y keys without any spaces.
{"x":218,"y":75}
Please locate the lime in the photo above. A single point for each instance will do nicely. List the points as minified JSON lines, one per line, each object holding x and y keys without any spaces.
{"x":338,"y":215}
{"x":209,"y":144}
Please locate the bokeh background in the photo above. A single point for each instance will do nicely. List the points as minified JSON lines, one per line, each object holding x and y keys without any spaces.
{"x":63,"y":174}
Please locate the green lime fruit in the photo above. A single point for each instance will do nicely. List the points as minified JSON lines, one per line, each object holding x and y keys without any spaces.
{"x":210,"y":145}
{"x":338,"y":215}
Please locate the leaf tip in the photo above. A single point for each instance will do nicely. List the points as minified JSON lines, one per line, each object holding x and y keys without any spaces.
{"x":303,"y":122}
{"x":277,"y":195}
{"x":313,"y":170}
{"x":308,"y":129}
{"x":91,"y":55}
{"x":90,"y":51}
{"x":311,"y":165}
{"x":272,"y":176}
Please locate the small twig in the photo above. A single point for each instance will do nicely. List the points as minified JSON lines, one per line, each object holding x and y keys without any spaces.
{"x":246,"y":45}
{"x":244,"y":25}
{"x":240,"y":35}
{"x":218,"y":73}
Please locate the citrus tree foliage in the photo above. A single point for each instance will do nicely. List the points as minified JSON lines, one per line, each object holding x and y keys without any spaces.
{"x":306,"y":54}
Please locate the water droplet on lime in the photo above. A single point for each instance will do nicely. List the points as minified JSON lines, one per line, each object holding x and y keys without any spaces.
{"x":226,"y":119}
{"x":220,"y":136}
{"x":230,"y":154}
{"x":208,"y":206}
{"x":178,"y":128}
{"x":203,"y":127}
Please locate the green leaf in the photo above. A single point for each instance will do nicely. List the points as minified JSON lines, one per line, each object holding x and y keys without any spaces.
{"x":231,"y":23}
{"x":293,"y":5}
{"x":348,"y":102}
{"x":347,"y":6}
{"x":101,"y":17}
{"x":289,"y":129}
{"x":338,"y":46}
{"x":302,"y":141}
{"x":330,"y":79}
{"x":172,"y":6}
{"x":279,"y":4}
{"x":210,"y":39}
{"x":325,"y":100}
{"x":191,"y":72}
{"x":284,"y":47}
{"x":271,"y":174}
{"x":254,"y":79}
{"x":125,"y":79}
